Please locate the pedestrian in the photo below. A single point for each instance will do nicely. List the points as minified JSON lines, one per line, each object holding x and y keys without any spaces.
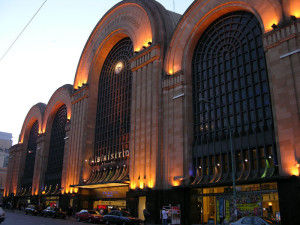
{"x":146,"y":215}
{"x":164,"y":214}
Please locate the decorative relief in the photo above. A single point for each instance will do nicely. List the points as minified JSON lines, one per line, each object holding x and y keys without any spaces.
{"x":145,"y":57}
{"x":80,"y":94}
{"x":276,"y":37}
{"x":173,"y":81}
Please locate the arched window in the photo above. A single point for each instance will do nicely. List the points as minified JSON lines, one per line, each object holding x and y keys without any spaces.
{"x":231,"y":90}
{"x":113,"y":107}
{"x":56,"y":150}
{"x":30,"y":156}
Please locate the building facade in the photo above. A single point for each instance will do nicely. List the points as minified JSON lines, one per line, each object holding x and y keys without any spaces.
{"x":5,"y":144}
{"x":198,"y":111}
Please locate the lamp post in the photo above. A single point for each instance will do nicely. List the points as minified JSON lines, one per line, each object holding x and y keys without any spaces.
{"x":231,"y":150}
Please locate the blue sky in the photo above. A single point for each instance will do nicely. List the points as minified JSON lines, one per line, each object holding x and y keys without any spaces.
{"x":46,"y":55}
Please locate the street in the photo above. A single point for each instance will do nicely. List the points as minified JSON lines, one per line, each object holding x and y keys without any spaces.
{"x":18,"y":218}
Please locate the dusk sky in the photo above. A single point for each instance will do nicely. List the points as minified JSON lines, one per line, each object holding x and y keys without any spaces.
{"x":46,"y":54}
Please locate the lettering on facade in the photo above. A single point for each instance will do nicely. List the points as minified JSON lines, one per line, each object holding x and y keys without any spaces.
{"x":113,"y":156}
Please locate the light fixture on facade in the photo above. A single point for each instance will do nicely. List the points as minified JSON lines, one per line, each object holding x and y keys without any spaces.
{"x":246,"y":160}
{"x":149,"y":43}
{"x":293,"y":17}
{"x":119,"y":67}
{"x":274,"y":26}
{"x":66,"y":138}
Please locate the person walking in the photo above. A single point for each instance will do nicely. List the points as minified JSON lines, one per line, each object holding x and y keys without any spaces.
{"x":164,"y":213}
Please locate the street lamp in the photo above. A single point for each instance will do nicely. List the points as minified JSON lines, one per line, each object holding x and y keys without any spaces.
{"x":231,"y":150}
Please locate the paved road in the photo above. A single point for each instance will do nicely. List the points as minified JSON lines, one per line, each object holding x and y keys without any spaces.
{"x":17,"y":218}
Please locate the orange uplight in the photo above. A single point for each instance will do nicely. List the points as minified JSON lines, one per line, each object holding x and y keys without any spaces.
{"x":141,"y":185}
{"x":132,"y":185}
{"x":67,"y":190}
{"x":150,"y":184}
{"x":176,"y":183}
{"x":75,"y":190}
{"x":269,"y":18}
{"x":295,"y":8}
{"x":71,"y":190}
{"x":43,"y":192}
{"x":62,"y":191}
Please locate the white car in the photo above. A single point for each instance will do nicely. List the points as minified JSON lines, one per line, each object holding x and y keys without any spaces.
{"x":2,"y":215}
{"x":254,"y":220}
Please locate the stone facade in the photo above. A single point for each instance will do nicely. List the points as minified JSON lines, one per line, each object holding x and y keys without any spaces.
{"x":161,"y":163}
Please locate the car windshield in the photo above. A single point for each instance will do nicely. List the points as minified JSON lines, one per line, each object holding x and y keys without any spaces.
{"x":93,"y":212}
{"x":270,"y":221}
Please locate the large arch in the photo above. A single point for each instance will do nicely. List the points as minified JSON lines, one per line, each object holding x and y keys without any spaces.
{"x":202,"y":13}
{"x":141,"y":21}
{"x":62,"y":96}
{"x":147,"y":23}
{"x":36,"y":113}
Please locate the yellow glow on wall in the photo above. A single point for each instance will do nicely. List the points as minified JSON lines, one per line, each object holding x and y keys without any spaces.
{"x":75,"y":190}
{"x":294,"y":171}
{"x":80,"y":82}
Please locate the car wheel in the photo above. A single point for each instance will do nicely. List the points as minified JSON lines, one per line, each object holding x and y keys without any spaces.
{"x":107,"y":222}
{"x":26,"y":213}
{"x":90,"y":220}
{"x":78,"y":219}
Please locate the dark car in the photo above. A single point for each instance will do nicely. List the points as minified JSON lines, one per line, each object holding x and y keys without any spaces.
{"x":91,"y":216}
{"x":254,"y":220}
{"x":2,"y":215}
{"x":54,"y":212}
{"x":121,"y":217}
{"x":32,"y":209}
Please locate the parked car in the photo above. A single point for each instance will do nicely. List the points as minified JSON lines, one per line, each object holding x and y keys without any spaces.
{"x":2,"y":215}
{"x":91,"y":216}
{"x":32,"y":209}
{"x":121,"y":217}
{"x":54,"y":212}
{"x":254,"y":220}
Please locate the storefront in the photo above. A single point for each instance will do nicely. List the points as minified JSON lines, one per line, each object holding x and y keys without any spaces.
{"x":216,"y":203}
{"x":104,"y":197}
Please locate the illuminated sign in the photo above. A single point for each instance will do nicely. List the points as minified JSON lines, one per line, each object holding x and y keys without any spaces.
{"x":113,"y":156}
